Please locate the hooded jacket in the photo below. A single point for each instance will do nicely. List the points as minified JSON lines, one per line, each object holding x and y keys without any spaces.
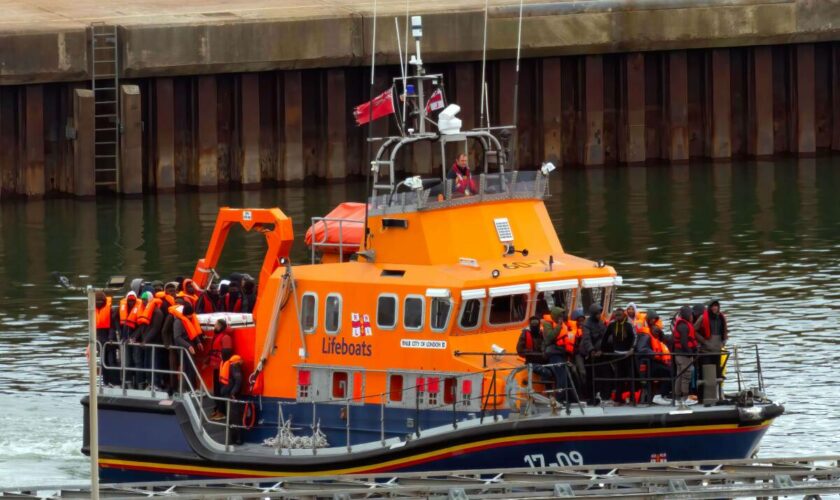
{"x":714,"y":339}
{"x":593,"y":332}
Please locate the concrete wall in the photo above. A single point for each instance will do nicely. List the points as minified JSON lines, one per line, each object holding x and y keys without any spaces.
{"x":287,"y":126}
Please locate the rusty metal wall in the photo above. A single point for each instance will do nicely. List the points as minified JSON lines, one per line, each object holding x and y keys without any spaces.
{"x":246,"y":130}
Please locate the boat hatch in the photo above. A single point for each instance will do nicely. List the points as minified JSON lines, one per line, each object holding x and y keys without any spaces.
{"x":392,"y":273}
{"x":323,"y":384}
{"x":433,"y":390}
{"x":550,"y":286}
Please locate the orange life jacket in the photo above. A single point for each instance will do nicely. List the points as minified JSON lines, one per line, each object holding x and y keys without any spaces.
{"x":170,"y":300}
{"x":146,"y":316}
{"x":129,"y":318}
{"x":191,"y":324}
{"x":103,"y":315}
{"x":661,"y":351}
{"x":192,"y":299}
{"x":692,"y":336}
{"x":224,"y":371}
{"x":567,"y":338}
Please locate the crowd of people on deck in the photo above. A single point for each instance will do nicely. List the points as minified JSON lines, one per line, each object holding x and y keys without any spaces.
{"x":625,"y":358}
{"x":164,"y":314}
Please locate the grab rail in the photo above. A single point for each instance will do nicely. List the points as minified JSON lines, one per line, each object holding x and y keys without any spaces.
{"x":196,"y":392}
{"x":200,"y":393}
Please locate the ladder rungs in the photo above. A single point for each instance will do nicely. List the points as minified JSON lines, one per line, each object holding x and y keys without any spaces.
{"x":105,"y":156}
{"x":105,"y":102}
{"x":105,"y":170}
{"x":111,"y":76}
{"x":109,"y":115}
{"x":104,"y":88}
{"x":105,"y":143}
{"x":108,"y":129}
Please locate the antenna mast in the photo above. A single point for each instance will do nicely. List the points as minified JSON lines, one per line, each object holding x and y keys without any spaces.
{"x":516,"y":85}
{"x":483,"y":69}
{"x":370,"y":124}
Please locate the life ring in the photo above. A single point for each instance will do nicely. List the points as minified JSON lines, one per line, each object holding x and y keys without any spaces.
{"x":249,"y":416}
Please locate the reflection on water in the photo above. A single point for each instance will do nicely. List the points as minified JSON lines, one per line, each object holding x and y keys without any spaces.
{"x":764,"y":237}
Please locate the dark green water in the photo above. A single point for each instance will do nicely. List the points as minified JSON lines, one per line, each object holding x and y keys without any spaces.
{"x":764,"y":237}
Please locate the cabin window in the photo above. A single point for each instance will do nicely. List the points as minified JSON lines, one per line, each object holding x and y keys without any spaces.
{"x":554,"y":298}
{"x":471,"y":314}
{"x":395,"y":388}
{"x":507,"y":309}
{"x":339,"y":385}
{"x":589,"y":296}
{"x":332,"y":314}
{"x":413,"y":310}
{"x":309,"y":312}
{"x":441,"y":307}
{"x":386,"y":311}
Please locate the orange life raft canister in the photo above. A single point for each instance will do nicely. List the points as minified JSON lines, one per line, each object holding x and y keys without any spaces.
{"x":349,"y":233}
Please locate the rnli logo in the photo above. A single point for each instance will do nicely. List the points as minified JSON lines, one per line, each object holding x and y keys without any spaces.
{"x":343,"y":348}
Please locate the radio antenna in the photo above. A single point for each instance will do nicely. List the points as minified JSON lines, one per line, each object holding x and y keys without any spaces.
{"x":484,"y":68}
{"x":370,"y":124}
{"x":516,"y":86}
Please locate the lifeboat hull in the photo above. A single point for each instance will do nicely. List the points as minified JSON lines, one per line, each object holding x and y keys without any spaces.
{"x":143,"y":440}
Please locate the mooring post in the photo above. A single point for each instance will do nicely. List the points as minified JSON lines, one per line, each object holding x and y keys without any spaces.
{"x":93,"y":406}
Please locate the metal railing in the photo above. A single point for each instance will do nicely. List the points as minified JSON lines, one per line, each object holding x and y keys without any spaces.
{"x":196,"y":390}
{"x":323,"y":243}
{"x":537,"y":388}
{"x":491,"y":187}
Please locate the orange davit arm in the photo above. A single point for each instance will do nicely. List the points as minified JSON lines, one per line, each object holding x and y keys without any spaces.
{"x":272,"y":222}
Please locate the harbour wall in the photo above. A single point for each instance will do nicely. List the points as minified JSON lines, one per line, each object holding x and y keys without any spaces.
{"x":244,"y":103}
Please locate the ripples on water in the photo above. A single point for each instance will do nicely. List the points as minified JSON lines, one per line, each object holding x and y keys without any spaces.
{"x":763,"y":237}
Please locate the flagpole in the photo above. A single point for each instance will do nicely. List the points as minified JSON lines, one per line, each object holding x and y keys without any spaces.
{"x":370,"y":125}
{"x":483,"y":68}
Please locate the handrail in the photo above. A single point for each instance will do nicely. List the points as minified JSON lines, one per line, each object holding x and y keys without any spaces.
{"x":323,"y":242}
{"x":484,"y":397}
{"x":202,"y":392}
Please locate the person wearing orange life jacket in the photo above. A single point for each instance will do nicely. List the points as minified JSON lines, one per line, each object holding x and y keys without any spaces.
{"x":654,"y":355}
{"x":135,"y":350}
{"x":107,"y":323}
{"x":575,"y":325}
{"x":530,"y":343}
{"x":560,"y":350}
{"x":712,"y":334}
{"x":151,"y":325}
{"x":186,"y":332}
{"x":130,"y":310}
{"x":685,"y":348}
{"x":189,"y":292}
{"x":232,"y":379}
{"x":221,"y":347}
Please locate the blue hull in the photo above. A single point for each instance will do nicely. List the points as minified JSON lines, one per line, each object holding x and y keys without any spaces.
{"x":162,"y":449}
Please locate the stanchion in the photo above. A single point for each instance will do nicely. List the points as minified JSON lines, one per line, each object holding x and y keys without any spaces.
{"x":93,"y":404}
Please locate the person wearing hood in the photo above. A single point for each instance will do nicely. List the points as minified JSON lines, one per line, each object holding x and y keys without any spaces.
{"x":685,"y":349}
{"x":249,"y":295}
{"x":152,"y":321}
{"x":107,"y":322}
{"x":620,"y":339}
{"x":131,"y":308}
{"x":591,"y":345}
{"x":530,"y":343}
{"x":654,"y":355}
{"x":208,"y":300}
{"x":189,"y":292}
{"x":232,"y":300}
{"x":712,"y":334}
{"x":559,"y":349}
{"x":575,"y":326}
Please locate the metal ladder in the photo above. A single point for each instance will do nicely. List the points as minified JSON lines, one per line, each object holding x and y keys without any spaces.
{"x":105,"y":83}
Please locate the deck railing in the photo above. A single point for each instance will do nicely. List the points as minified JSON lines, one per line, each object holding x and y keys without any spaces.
{"x":522,"y":397}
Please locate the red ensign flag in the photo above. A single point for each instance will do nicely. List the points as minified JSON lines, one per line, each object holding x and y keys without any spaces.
{"x":435,"y":102}
{"x":383,"y":105}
